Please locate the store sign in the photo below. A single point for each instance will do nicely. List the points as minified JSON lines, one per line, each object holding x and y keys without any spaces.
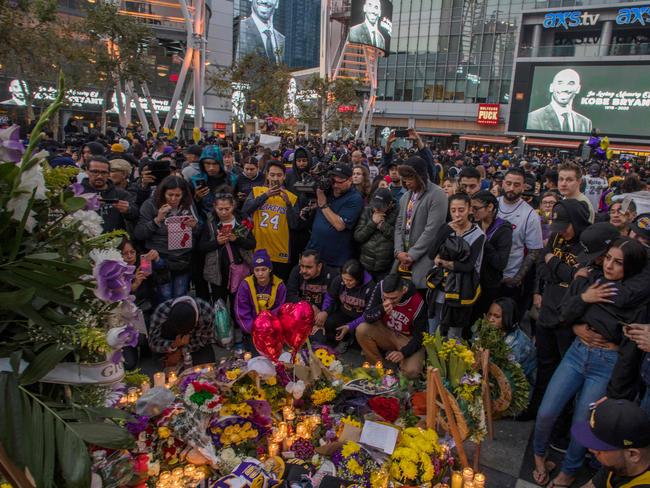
{"x":488,"y":114}
{"x":86,"y":99}
{"x":219,"y":126}
{"x":633,"y":15}
{"x":347,"y":108}
{"x":576,"y":18}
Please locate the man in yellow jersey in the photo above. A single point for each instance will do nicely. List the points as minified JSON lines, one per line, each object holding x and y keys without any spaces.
{"x":273,"y":210}
{"x":618,"y":435}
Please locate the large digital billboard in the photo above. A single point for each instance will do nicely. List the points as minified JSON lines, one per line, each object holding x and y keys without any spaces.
{"x":284,"y":31}
{"x":371,"y":23}
{"x":574,"y":98}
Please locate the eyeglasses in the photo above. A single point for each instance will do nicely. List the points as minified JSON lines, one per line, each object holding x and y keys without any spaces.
{"x":476,"y":209}
{"x":98,"y":172}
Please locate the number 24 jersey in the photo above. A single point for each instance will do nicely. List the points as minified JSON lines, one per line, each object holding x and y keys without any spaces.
{"x":271,"y":226}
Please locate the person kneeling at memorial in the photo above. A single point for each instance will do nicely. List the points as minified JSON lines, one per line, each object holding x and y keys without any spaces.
{"x":394,"y":322}
{"x":182,"y":326}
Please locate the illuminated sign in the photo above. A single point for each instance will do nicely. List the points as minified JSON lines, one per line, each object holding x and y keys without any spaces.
{"x":488,"y":114}
{"x":347,"y":108}
{"x":567,"y":20}
{"x":86,"y":98}
{"x":633,"y":15}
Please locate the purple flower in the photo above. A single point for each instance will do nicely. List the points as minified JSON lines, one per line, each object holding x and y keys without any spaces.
{"x":138,"y":424}
{"x":92,"y":199}
{"x":11,"y":149}
{"x":113,"y":280}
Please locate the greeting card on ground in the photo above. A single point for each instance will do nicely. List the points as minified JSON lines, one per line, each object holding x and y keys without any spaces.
{"x":379,"y":436}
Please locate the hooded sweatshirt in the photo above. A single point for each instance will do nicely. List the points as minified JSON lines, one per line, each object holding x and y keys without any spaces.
{"x":351,"y":301}
{"x":222,"y":183}
{"x":554,"y":277}
{"x":296,"y":174}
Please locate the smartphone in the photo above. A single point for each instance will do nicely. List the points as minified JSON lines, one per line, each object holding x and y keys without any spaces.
{"x":200,"y":184}
{"x":145,"y":266}
{"x":109,"y":200}
{"x":402,"y":133}
{"x":226,"y":229}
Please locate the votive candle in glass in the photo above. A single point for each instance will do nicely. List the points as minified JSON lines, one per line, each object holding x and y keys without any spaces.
{"x":159,"y":379}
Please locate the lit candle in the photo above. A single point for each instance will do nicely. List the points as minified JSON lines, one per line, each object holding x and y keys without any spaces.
{"x":379,"y":365}
{"x":189,"y":470}
{"x":247,"y":356}
{"x":366,"y":365}
{"x":197,"y":369}
{"x":288,"y":442}
{"x":479,"y":480}
{"x":159,"y":379}
{"x":444,"y":485}
{"x":301,"y":430}
{"x":284,"y":430}
{"x":389,"y":371}
{"x":468,"y":475}
{"x":172,"y":378}
{"x":469,"y":484}
{"x":132,"y":395}
{"x":456,"y":480}
{"x":199,"y":475}
{"x":274,"y":449}
{"x":288,"y":413}
{"x":144,"y":387}
{"x":165,"y":476}
{"x":177,"y":473}
{"x":123,"y":400}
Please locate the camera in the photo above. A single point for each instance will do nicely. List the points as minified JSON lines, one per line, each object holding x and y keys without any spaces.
{"x":319,"y":177}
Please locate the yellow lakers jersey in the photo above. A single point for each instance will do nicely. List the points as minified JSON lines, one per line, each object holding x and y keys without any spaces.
{"x":270,"y":225}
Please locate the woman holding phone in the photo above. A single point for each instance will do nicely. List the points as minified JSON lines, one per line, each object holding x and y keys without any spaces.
{"x":588,"y":365}
{"x":212,"y":179}
{"x":170,"y":207}
{"x":224,"y":240}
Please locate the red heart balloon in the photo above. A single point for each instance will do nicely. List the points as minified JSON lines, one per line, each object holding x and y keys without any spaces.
{"x":267,"y":335}
{"x":297,"y":320}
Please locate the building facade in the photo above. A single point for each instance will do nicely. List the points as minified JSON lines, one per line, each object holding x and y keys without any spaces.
{"x":452,"y":60}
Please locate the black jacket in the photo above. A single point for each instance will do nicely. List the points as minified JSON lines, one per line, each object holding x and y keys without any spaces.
{"x":296,"y":174}
{"x":496,"y":251}
{"x":553,"y":278}
{"x":605,"y":319}
{"x":113,"y":219}
{"x":313,"y":291}
{"x":377,"y":245}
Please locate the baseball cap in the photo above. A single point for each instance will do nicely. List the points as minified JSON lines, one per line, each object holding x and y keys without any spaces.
{"x":641,"y":225}
{"x":560,"y":219}
{"x":381,"y":199}
{"x":595,"y":240}
{"x":614,"y":425}
{"x":342,"y":170}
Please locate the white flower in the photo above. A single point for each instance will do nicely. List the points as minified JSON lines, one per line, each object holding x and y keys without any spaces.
{"x":336,"y":367}
{"x":296,"y":388}
{"x":90,"y":223}
{"x":228,"y":454}
{"x":100,"y":255}
{"x":30,"y":180}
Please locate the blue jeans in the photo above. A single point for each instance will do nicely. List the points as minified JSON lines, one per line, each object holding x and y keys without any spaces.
{"x":177,"y":287}
{"x":645,"y":400}
{"x":584,"y":371}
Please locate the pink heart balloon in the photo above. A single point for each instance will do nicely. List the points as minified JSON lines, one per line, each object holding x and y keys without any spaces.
{"x":297,"y":321}
{"x":267,"y":335}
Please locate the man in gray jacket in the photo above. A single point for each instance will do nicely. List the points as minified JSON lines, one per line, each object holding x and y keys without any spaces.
{"x":422,"y":211}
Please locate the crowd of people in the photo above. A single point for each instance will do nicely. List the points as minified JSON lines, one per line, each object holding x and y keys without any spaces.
{"x":387,"y":245}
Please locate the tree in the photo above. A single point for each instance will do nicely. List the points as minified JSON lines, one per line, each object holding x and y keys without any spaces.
{"x":118,"y":46}
{"x":319,"y":100}
{"x":36,"y":43}
{"x":263,"y":83}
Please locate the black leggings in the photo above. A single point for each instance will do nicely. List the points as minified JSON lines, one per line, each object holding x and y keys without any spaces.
{"x":334,"y":320}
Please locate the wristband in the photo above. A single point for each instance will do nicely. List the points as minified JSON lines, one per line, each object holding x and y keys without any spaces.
{"x":324,"y":206}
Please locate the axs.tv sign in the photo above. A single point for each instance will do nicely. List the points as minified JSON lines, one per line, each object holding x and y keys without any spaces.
{"x":578,"y":18}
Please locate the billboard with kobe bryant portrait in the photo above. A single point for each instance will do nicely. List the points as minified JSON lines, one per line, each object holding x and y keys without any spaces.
{"x":371,"y":23}
{"x":284,"y":31}
{"x":575,"y":98}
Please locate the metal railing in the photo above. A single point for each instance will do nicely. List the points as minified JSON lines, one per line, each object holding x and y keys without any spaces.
{"x":586,"y":50}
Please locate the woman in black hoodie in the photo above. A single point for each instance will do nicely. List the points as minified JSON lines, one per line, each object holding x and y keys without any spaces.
{"x":586,"y":368}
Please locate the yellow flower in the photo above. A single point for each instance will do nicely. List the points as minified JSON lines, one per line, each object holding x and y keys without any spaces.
{"x":350,"y":448}
{"x":324,"y":395}
{"x":320,"y":353}
{"x":232,"y":374}
{"x":272,"y":381}
{"x":355,"y":467}
{"x":409,"y":470}
{"x":351,"y":421}
{"x":164,"y":432}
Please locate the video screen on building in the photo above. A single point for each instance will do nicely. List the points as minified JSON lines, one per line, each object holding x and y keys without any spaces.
{"x":371,"y":23}
{"x":284,"y":31}
{"x":576,"y":98}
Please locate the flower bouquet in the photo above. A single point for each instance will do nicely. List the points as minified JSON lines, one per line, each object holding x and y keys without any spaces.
{"x":505,"y":372}
{"x":354,"y":464}
{"x":460,"y":376}
{"x":419,"y":459}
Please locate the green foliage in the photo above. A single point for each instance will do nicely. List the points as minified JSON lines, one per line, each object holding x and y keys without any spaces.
{"x":492,"y":339}
{"x":319,"y":100}
{"x":48,"y":313}
{"x":135,"y":378}
{"x":263,"y":82}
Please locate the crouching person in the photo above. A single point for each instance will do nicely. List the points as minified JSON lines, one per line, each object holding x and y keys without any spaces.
{"x":394,"y":322}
